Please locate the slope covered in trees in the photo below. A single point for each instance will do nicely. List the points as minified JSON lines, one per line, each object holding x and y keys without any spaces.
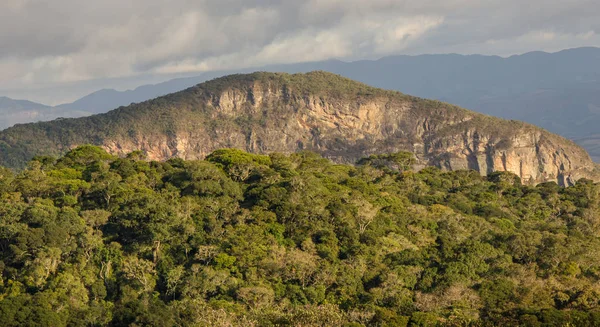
{"x":291,"y":240}
{"x":339,"y":118}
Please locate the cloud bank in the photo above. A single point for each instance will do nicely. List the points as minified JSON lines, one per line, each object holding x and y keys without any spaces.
{"x":49,"y":43}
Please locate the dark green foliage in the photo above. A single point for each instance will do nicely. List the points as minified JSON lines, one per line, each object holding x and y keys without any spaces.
{"x":249,"y":240}
{"x":400,"y":161}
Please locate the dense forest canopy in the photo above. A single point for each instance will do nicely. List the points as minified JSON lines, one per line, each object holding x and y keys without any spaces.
{"x":238,"y":239}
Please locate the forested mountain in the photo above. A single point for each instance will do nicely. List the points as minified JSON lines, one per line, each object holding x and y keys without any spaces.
{"x":557,"y":91}
{"x":251,"y":240}
{"x":322,"y":112}
{"x":14,"y":112}
{"x":107,"y":99}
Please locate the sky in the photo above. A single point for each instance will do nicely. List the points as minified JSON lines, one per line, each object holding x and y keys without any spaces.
{"x":54,"y":51}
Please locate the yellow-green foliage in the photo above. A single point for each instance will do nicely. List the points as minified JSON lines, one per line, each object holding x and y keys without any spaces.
{"x":291,"y":240}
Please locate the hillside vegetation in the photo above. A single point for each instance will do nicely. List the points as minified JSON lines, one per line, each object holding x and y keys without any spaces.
{"x":177,"y":112}
{"x":339,"y":118}
{"x":239,"y":239}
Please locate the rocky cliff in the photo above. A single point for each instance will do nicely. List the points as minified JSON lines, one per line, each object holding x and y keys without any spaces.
{"x":339,"y":118}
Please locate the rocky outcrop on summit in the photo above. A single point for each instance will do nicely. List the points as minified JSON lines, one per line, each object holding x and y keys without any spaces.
{"x":341,"y":119}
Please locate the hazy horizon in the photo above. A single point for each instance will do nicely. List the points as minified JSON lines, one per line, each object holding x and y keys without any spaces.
{"x":59,"y":51}
{"x":77,"y":90}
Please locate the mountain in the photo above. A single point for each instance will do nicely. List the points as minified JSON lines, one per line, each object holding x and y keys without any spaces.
{"x":19,"y":111}
{"x":483,"y":83}
{"x":22,"y":111}
{"x":9,"y":104}
{"x":339,"y":118}
{"x":557,"y":91}
{"x":104,"y":100}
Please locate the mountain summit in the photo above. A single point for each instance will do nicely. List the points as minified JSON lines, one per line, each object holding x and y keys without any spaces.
{"x":337,"y":117}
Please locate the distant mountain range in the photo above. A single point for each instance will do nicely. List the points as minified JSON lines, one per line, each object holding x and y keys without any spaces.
{"x":22,"y":111}
{"x":557,"y":91}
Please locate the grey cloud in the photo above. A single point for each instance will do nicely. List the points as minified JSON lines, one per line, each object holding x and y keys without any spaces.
{"x":49,"y":42}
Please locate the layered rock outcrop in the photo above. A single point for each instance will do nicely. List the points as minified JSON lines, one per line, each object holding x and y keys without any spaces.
{"x":341,"y":119}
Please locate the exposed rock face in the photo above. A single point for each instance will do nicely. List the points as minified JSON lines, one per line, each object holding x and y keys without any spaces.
{"x":534,"y":155}
{"x":341,"y":119}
